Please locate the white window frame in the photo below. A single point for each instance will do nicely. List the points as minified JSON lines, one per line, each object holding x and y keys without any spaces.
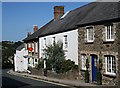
{"x":111,"y":66}
{"x":106,"y":33}
{"x":36,"y":47}
{"x":88,"y":36}
{"x":33,"y":46}
{"x":29,"y":45}
{"x":83,"y":57}
{"x":26,"y":46}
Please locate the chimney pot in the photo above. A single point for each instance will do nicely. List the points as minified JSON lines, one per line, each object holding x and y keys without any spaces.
{"x":29,"y":33}
{"x":35,"y":28}
{"x":58,"y":10}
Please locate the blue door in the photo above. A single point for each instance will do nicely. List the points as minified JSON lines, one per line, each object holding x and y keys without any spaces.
{"x":94,"y":67}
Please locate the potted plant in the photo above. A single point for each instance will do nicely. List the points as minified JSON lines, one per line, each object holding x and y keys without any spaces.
{"x":87,"y":71}
{"x":99,"y":74}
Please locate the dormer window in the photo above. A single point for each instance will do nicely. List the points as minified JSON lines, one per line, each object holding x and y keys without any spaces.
{"x":90,"y":34}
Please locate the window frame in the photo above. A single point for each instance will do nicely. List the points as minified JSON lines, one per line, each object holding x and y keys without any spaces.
{"x":111,"y":64}
{"x":65,"y":42}
{"x":53,"y":40}
{"x":44,"y":40}
{"x":106,"y":33}
{"x":83,"y":65}
{"x":36,"y":47}
{"x":87,"y":32}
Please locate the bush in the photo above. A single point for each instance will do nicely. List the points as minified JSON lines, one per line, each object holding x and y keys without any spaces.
{"x":99,"y":78}
{"x":68,"y":65}
{"x":87,"y":72}
{"x":40,"y":65}
{"x":56,"y":58}
{"x":99,"y":74}
{"x":75,"y":67}
{"x":87,"y":76}
{"x":49,"y":64}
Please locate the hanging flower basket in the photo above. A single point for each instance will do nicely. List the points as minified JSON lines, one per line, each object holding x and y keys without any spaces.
{"x":30,"y":49}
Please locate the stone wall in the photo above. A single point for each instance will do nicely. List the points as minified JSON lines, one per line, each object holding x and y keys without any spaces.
{"x":118,"y":72}
{"x":100,"y":48}
{"x":71,"y":75}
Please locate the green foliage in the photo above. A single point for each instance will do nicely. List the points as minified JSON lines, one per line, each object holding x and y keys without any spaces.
{"x":39,"y":65}
{"x":87,"y":72}
{"x":49,"y":64}
{"x":55,"y":56}
{"x":87,"y":76}
{"x":56,"y":59}
{"x":87,"y":63}
{"x":68,"y":65}
{"x":8,"y":50}
{"x":7,"y":64}
{"x":99,"y":74}
{"x":99,"y":77}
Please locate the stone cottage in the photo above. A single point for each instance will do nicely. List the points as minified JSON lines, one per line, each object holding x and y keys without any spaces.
{"x":98,"y":39}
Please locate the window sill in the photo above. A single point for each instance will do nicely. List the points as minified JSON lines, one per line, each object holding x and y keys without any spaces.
{"x":88,"y":42}
{"x":82,"y":70}
{"x":105,"y":42}
{"x":109,"y":75}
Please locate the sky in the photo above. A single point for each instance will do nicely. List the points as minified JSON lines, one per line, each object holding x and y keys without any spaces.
{"x":18,"y":18}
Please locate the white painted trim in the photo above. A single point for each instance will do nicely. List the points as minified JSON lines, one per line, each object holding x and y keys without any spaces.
{"x":87,"y":34}
{"x":83,"y":68}
{"x":110,"y":33}
{"x":109,"y":73}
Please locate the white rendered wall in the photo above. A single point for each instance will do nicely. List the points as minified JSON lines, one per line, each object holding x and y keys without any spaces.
{"x":72,"y":38}
{"x":21,"y":63}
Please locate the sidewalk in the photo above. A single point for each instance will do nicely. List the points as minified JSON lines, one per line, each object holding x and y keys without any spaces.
{"x":66,"y":82}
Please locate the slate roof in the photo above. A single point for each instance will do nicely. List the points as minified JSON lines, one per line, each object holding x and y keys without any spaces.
{"x":103,"y":11}
{"x":90,"y":13}
{"x":20,"y":47}
{"x":35,"y":34}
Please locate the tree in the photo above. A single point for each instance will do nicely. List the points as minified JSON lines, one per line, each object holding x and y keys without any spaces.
{"x":55,"y":56}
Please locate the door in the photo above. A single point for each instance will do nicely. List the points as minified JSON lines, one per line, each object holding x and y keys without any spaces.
{"x":94,"y":67}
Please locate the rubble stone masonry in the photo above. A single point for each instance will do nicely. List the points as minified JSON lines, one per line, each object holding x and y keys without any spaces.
{"x":100,"y":48}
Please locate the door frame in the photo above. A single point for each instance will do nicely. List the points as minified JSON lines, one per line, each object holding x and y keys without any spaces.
{"x":92,"y":56}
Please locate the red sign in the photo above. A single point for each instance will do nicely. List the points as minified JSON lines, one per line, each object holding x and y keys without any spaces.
{"x":30,"y":49}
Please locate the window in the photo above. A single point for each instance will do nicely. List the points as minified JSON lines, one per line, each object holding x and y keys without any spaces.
{"x":28,"y":60}
{"x":29,"y":45}
{"x":33,"y":46}
{"x":53,"y":40}
{"x":35,"y":60}
{"x":25,"y":45}
{"x":83,"y":57}
{"x":36,"y":47}
{"x":65,"y":42}
{"x":90,"y":34}
{"x":110,"y":65}
{"x":44,"y":44}
{"x":109,"y":33}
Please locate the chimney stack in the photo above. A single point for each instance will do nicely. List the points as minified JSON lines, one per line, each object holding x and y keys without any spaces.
{"x":58,"y":10}
{"x":35,"y":28}
{"x":29,"y":33}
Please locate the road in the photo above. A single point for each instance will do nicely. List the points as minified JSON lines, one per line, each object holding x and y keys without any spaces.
{"x":11,"y":81}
